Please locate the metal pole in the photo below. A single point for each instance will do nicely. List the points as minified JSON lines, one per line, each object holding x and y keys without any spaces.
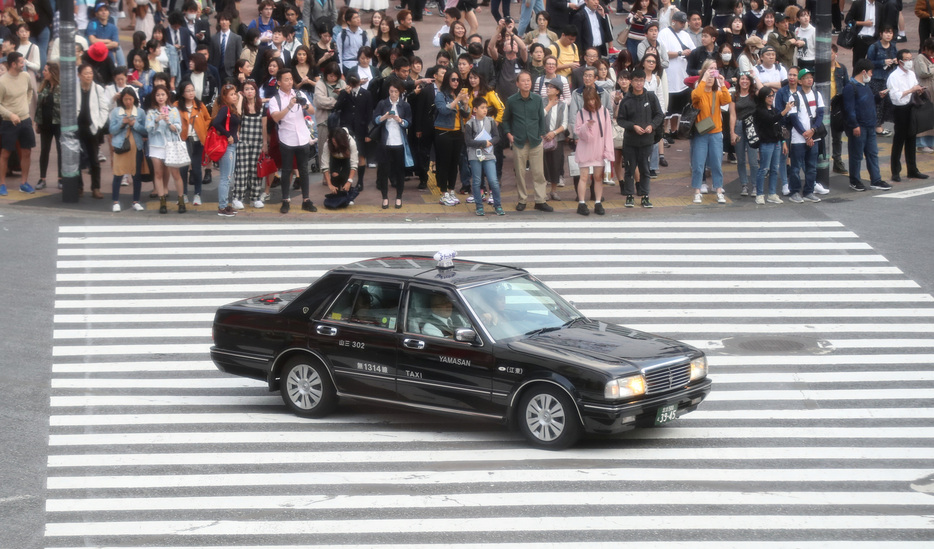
{"x":71,"y":147}
{"x":822,"y":82}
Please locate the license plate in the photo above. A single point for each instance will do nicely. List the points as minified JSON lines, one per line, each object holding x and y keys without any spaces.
{"x":666,"y":414}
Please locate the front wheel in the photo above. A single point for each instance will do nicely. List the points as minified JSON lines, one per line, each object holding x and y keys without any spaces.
{"x":548,"y":418}
{"x":306,"y":388}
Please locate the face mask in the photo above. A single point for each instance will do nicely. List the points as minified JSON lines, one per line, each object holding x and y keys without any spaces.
{"x":190,"y":16}
{"x":256,"y":42}
{"x":909,"y":65}
{"x":726,"y":57}
{"x":867,"y":79}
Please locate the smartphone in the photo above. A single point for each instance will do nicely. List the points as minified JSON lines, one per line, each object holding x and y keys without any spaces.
{"x":392,"y":113}
{"x":715,"y":73}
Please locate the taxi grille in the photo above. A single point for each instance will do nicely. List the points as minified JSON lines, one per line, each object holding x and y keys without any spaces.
{"x":662,"y":379}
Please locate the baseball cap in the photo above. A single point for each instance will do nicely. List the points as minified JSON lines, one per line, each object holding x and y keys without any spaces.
{"x":802,"y":72}
{"x":680,"y":17}
{"x":779,"y":17}
{"x":101,"y":5}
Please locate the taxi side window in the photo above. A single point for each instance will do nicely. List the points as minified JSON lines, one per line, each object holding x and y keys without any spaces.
{"x":433,"y":313}
{"x":367,"y":303}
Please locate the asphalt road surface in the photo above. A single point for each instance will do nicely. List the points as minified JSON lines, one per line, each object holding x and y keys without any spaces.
{"x":817,"y":319}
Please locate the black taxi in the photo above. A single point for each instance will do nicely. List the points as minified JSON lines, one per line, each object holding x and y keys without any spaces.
{"x":455,"y":336}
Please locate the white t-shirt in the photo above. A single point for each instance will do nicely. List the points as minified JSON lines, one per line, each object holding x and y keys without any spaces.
{"x":814,"y":102}
{"x":809,"y":35}
{"x":776,"y":74}
{"x":677,"y":69}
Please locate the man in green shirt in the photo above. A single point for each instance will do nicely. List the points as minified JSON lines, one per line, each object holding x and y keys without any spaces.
{"x":524,"y":125}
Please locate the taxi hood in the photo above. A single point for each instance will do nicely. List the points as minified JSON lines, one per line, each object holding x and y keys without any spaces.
{"x":605,"y":346}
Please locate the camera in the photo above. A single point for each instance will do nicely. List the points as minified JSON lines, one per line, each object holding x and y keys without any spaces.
{"x":509,"y":20}
{"x":300,"y":99}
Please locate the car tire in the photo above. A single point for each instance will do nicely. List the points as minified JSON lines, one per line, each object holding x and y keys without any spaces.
{"x":306,"y":388}
{"x":548,"y":418}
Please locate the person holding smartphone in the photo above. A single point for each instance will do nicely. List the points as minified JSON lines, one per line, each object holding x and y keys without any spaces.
{"x":707,"y":148}
{"x":395,"y":116}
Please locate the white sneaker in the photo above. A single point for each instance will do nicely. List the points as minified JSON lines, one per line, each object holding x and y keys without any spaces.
{"x":455,"y":200}
{"x":760,"y":199}
{"x":697,"y":198}
{"x":820,"y":189}
{"x":258,"y":204}
{"x":721,"y":199}
{"x":927,"y":150}
{"x":237,"y":204}
{"x":704,"y":189}
{"x":125,"y":182}
{"x":609,"y":182}
{"x":116,"y":208}
{"x":561,"y":181}
{"x":101,"y":158}
{"x":489,"y":199}
{"x":197,"y":200}
{"x":444,"y":199}
{"x":785,"y":190}
{"x":138,"y":207}
{"x":265,"y":197}
{"x":470,"y":199}
{"x":185,"y":197}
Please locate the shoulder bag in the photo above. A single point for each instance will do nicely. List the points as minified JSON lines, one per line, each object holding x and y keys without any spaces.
{"x":820,"y":130}
{"x":848,"y":36}
{"x":706,"y":125}
{"x":176,"y":152}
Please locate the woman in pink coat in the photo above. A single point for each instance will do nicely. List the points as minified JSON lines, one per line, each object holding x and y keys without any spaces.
{"x":594,"y":146}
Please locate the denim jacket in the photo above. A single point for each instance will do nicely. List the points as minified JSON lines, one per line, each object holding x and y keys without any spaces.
{"x":447,"y":118}
{"x":118,"y":128}
{"x":159,"y":131}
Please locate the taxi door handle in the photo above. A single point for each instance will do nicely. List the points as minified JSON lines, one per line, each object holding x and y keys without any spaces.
{"x":413,"y":343}
{"x":326,"y":330}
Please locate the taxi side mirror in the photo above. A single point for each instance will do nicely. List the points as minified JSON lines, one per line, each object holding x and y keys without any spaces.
{"x":465,"y":335}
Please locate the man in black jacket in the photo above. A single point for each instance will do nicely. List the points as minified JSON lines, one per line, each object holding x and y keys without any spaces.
{"x":355,"y":105}
{"x":886,"y":15}
{"x":593,"y":27}
{"x":639,"y":114}
{"x":424,"y":122}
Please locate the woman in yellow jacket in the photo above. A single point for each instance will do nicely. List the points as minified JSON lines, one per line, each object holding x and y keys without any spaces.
{"x":195,"y":122}
{"x":707,"y":144}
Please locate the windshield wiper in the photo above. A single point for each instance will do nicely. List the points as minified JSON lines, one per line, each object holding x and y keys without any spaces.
{"x":553,"y":328}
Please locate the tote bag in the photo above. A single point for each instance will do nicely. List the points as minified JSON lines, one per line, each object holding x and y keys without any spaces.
{"x":176,"y":152}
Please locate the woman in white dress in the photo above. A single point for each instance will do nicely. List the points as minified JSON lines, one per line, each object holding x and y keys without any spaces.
{"x":370,"y":5}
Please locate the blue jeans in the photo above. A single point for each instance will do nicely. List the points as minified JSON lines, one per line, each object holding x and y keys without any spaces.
{"x":653,"y":158}
{"x":783,"y":165}
{"x":926,"y":141}
{"x":769,"y":162}
{"x":227,"y":166}
{"x":803,"y":158}
{"x":137,"y":182}
{"x":707,"y":150}
{"x":526,"y":13}
{"x":193,"y":172}
{"x":857,"y":148}
{"x":745,"y":153}
{"x":488,"y":168}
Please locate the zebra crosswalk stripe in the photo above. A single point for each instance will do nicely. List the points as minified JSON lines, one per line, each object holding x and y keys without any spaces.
{"x":818,"y":433}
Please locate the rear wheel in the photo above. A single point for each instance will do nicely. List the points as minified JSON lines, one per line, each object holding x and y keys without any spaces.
{"x":548,"y":418}
{"x":306,"y":388}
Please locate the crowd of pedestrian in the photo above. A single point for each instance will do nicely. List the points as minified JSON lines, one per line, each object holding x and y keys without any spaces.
{"x":578,"y":93}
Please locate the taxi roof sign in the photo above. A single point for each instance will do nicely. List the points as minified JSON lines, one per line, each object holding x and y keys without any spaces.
{"x":445,"y":258}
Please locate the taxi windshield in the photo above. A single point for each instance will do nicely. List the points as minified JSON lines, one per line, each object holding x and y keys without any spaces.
{"x":519,"y":306}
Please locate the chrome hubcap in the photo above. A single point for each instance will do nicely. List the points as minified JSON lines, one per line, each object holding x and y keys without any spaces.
{"x":545,"y":417}
{"x":304,"y":387}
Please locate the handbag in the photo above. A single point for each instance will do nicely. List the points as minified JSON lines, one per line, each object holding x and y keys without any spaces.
{"x":176,"y":152}
{"x":686,"y":124}
{"x":215,"y":145}
{"x":265,"y":166}
{"x":749,"y":128}
{"x":922,"y":113}
{"x":820,"y":130}
{"x":125,"y":148}
{"x":848,"y":36}
{"x":706,"y":125}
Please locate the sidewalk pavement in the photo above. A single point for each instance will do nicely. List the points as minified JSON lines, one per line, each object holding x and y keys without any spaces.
{"x":670,"y":190}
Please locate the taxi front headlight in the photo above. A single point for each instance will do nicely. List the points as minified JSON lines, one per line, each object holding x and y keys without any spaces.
{"x":699,"y":368}
{"x":625,"y":387}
